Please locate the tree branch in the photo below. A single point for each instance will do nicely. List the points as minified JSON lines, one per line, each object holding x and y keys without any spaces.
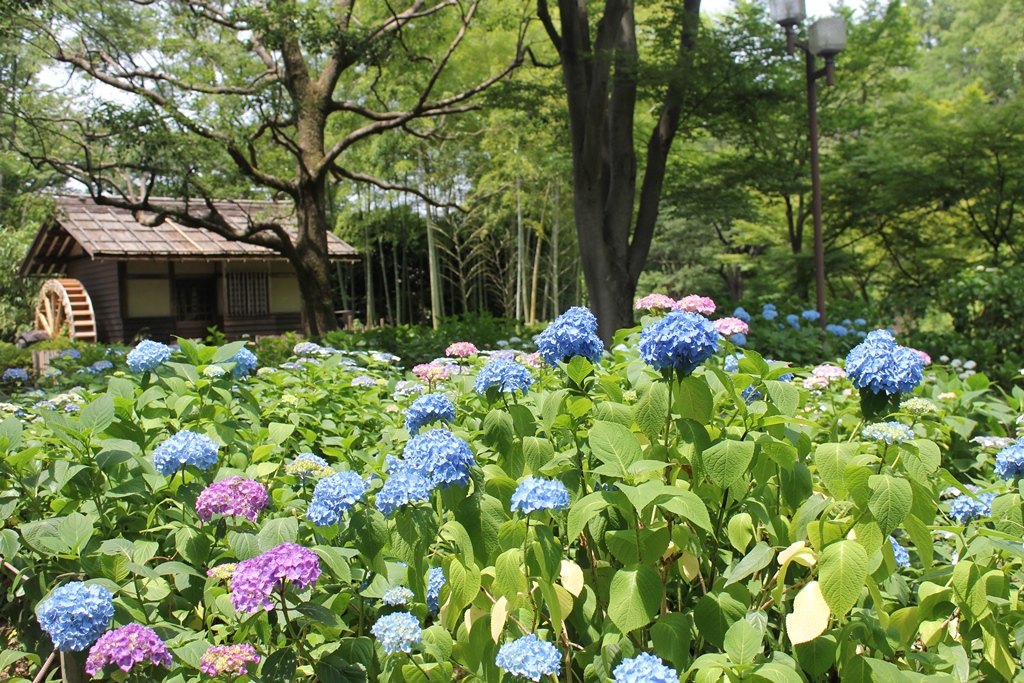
{"x":340,"y":172}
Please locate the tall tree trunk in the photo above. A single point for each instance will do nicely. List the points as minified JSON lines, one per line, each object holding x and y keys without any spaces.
{"x":554,"y":256}
{"x":533,"y":281}
{"x":311,"y":260}
{"x":600,"y":76}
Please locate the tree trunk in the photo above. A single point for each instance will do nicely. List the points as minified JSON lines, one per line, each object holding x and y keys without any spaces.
{"x":311,"y":260}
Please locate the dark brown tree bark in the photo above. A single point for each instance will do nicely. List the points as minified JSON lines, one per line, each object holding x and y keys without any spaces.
{"x":600,"y":75}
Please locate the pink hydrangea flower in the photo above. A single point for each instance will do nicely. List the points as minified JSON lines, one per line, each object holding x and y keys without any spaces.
{"x":654,"y":302}
{"x":532,"y":359}
{"x":228,"y":659}
{"x":461,"y":349}
{"x":815,"y":383}
{"x":829,"y":372}
{"x":430,"y":372}
{"x":127,"y":646}
{"x":695,"y":303}
{"x":256,"y":579}
{"x":730,"y":326}
{"x":925,"y":358}
{"x":233,"y":496}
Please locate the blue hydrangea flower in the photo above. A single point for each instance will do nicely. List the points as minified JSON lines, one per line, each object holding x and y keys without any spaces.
{"x":101,"y":365}
{"x":574,"y":333}
{"x":399,"y":595}
{"x":1010,"y":460}
{"x":185,"y":448}
{"x":427,"y":408}
{"x":74,"y":354}
{"x":882,"y":365}
{"x":681,"y":340}
{"x":440,"y":456}
{"x":334,"y":495}
{"x":529,"y":657}
{"x":889,"y":432}
{"x":793,"y":320}
{"x":739,"y":339}
{"x":15,"y":375}
{"x":751,"y":394}
{"x":435,"y":581}
{"x":902,"y":556}
{"x":245,"y":362}
{"x":644,"y":668}
{"x":505,"y":374}
{"x":76,"y":614}
{"x":836,"y":330}
{"x":405,"y":485}
{"x":148,"y":356}
{"x":397,"y":632}
{"x":742,"y":314}
{"x":732,"y":361}
{"x":966,"y":509}
{"x":535,"y":493}
{"x":769,"y":313}
{"x":860,"y":322}
{"x":811,"y":315}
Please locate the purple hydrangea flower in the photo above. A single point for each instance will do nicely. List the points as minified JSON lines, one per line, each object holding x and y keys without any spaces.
{"x":185,"y":448}
{"x":222,"y":660}
{"x":127,"y":646}
{"x":535,"y":493}
{"x":427,"y":408}
{"x":76,"y":614}
{"x":255,"y":580}
{"x":574,"y":333}
{"x":529,"y":657}
{"x":233,"y":496}
{"x":334,"y":495}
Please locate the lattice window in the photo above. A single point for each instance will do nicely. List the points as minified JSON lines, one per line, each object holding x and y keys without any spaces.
{"x":248,"y":294}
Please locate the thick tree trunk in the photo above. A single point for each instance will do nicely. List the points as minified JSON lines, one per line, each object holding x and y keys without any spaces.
{"x":312,"y":260}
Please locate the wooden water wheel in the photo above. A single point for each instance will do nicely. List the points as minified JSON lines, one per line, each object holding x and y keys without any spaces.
{"x":64,"y":308}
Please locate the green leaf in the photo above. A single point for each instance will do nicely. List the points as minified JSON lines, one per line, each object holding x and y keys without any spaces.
{"x":279,"y":432}
{"x":634,"y":597}
{"x":890,"y":501}
{"x":651,"y":411}
{"x":615,"y":445}
{"x":97,"y":415}
{"x":727,"y":461}
{"x":671,"y":635}
{"x":742,"y":643}
{"x":464,"y":585}
{"x":687,"y":505}
{"x":842,"y":568}
{"x":75,"y":530}
{"x":227,"y":352}
{"x":336,"y":560}
{"x":279,"y":667}
{"x":334,"y":669}
{"x":590,"y":506}
{"x":321,"y":615}
{"x":831,"y":460}
{"x":578,"y":369}
{"x":693,"y":399}
{"x":784,"y":396}
{"x":277,"y":531}
{"x":10,"y":429}
{"x":759,"y":557}
{"x":509,"y":578}
{"x":922,"y":538}
{"x":817,"y":656}
{"x":741,"y":531}
{"x":717,"y":611}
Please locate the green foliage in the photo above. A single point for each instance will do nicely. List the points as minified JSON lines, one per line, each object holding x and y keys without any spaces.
{"x":708,"y":529}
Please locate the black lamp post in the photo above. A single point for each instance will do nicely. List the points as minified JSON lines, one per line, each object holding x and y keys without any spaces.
{"x":825,"y":38}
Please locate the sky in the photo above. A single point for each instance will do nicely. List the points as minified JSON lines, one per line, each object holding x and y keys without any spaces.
{"x":815,"y":8}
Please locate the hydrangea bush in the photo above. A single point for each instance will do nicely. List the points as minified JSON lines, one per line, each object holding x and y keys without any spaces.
{"x":667,"y":509}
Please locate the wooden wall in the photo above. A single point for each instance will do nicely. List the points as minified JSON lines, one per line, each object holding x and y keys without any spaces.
{"x":100,"y":279}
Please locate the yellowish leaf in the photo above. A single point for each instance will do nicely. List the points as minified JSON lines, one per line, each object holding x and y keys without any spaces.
{"x":810,"y":615}
{"x":499,"y":615}
{"x":572,"y":577}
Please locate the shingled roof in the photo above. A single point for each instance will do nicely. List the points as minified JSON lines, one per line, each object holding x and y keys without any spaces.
{"x":83,"y":229}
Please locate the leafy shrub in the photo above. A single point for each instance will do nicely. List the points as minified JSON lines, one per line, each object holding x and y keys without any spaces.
{"x":728,"y":522}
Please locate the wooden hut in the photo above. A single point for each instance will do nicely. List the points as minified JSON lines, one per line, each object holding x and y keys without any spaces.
{"x":112,"y":278}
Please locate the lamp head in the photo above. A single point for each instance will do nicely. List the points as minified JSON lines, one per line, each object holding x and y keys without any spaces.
{"x":787,"y":12}
{"x":827,"y":37}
